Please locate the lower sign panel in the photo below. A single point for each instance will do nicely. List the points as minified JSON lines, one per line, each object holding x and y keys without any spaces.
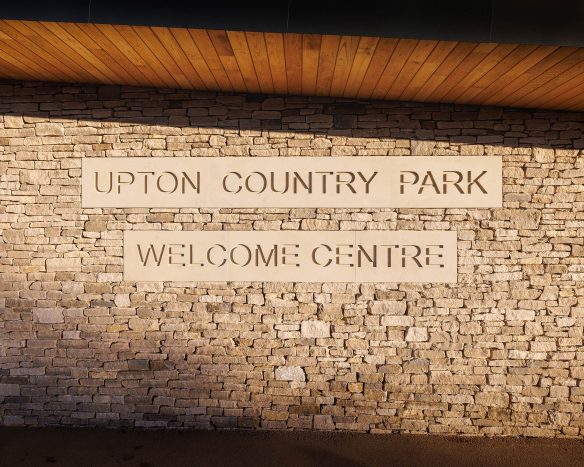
{"x":291,"y":256}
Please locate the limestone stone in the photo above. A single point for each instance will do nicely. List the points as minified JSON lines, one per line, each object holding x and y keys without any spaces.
{"x":397,"y":320}
{"x":313,"y":328}
{"x":95,"y":226}
{"x":49,"y":315}
{"x":150,"y":286}
{"x":492,"y":399}
{"x":389,"y":307}
{"x":324,"y":422}
{"x":49,"y":129}
{"x":422,"y":148}
{"x":34,"y":177}
{"x":13,"y":236}
{"x":520,"y":315}
{"x":122,"y":300}
{"x":417,"y":334}
{"x":13,"y":121}
{"x":544,"y":154}
{"x":63,"y":264}
{"x":525,"y":219}
{"x":290,"y":373}
{"x":9,"y":390}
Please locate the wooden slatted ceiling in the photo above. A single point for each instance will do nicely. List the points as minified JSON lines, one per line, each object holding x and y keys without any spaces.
{"x":340,"y":66}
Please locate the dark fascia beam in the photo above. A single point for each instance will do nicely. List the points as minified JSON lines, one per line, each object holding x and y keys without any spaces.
{"x":544,"y":22}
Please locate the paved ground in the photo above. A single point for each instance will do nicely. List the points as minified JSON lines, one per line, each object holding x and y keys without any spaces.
{"x":86,"y":448}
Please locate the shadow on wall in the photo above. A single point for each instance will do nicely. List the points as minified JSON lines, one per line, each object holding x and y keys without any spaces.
{"x":450,"y":123}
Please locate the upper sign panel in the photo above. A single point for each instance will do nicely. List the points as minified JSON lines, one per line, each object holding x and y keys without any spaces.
{"x":288,"y":182}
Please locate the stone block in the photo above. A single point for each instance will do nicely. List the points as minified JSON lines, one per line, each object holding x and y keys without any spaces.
{"x":422,"y":148}
{"x":315,"y":329}
{"x":35,"y":177}
{"x":13,"y":236}
{"x":525,"y":219}
{"x":492,"y":399}
{"x":49,"y":129}
{"x":9,"y":390}
{"x":398,"y":320}
{"x":290,"y":373}
{"x":417,"y":334}
{"x":63,"y":264}
{"x":122,"y":300}
{"x":519,"y":315}
{"x":324,"y":422}
{"x":389,"y":307}
{"x":95,"y":226}
{"x":48,"y":315}
{"x":13,"y":121}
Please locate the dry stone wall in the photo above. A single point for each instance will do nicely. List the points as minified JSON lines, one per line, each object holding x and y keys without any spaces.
{"x":499,"y":353}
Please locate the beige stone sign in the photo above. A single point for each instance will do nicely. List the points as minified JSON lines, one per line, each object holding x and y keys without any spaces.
{"x":291,"y":256}
{"x":280,"y":182}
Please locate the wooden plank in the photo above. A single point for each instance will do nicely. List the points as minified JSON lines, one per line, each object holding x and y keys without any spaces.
{"x":479,"y":70}
{"x":434,"y":59}
{"x":240,"y":48}
{"x":417,"y":58}
{"x":29,"y":37}
{"x":226,"y":55}
{"x":565,"y":87}
{"x":360,"y":65}
{"x":171,"y":51}
{"x":530,"y":79}
{"x":293,"y":55}
{"x":142,"y":50}
{"x":501,"y":68}
{"x":17,"y":45}
{"x":451,"y":62}
{"x":548,"y":81}
{"x":379,"y":60}
{"x":577,"y":101}
{"x":193,"y":55}
{"x":499,"y":82}
{"x":276,"y":57}
{"x":400,"y":55}
{"x":14,"y":69}
{"x":93,"y":41}
{"x":119,"y":42}
{"x":207,"y":49}
{"x":23,"y":62}
{"x":478,"y":53}
{"x":345,"y":58}
{"x":329,"y":48}
{"x":69,"y":46}
{"x":310,"y":55}
{"x":162,"y":56}
{"x":261,"y":61}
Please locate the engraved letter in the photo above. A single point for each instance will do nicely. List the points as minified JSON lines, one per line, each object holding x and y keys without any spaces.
{"x":174,"y":178}
{"x":152,"y":249}
{"x":316,"y":261}
{"x":367,"y":181}
{"x":475,"y":181}
{"x":402,"y":180}
{"x":129,"y":181}
{"x":210,"y":250}
{"x":456,"y":185}
{"x":186,"y":178}
{"x":225,"y":183}
{"x":111,"y":180}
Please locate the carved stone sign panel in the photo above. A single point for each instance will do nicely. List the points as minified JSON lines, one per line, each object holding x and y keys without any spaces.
{"x":301,"y":182}
{"x":291,"y":256}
